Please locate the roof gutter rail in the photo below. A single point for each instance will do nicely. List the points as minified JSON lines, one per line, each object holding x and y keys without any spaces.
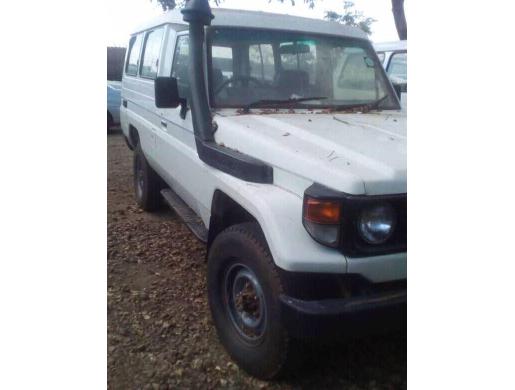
{"x":198,"y":14}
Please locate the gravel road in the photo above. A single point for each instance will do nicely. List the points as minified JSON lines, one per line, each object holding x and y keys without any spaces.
{"x":159,"y":330}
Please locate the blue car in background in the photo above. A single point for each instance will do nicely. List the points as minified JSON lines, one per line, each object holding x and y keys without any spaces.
{"x":114,"y":89}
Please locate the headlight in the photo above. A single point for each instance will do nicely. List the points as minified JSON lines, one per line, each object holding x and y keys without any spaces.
{"x":377,"y":223}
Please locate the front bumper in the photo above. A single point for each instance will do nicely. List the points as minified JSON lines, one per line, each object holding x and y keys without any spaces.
{"x":377,"y":313}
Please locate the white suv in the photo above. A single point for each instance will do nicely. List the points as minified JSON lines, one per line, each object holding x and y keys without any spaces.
{"x":280,"y":142}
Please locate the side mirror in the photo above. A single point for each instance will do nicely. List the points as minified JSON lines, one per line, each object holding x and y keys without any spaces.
{"x":166,"y":92}
{"x":400,"y":88}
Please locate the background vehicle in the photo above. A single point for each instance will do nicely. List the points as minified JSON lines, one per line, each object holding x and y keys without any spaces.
{"x":394,"y":57}
{"x":280,"y":142}
{"x":113,"y":103}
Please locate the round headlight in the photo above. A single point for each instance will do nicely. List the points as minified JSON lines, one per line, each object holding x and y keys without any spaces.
{"x":376,"y":224}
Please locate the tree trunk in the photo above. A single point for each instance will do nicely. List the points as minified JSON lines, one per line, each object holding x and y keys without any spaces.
{"x":400,"y":19}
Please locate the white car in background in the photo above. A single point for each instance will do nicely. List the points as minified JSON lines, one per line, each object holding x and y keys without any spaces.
{"x":394,"y":57}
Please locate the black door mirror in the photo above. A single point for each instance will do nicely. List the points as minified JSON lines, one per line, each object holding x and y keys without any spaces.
{"x":400,"y":88}
{"x":166,"y":92}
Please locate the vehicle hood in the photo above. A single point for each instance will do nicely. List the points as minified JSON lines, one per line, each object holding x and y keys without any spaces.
{"x":357,"y":153}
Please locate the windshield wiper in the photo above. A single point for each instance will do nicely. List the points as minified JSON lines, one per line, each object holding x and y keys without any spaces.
{"x":271,"y":102}
{"x":375,"y":104}
{"x":364,"y":106}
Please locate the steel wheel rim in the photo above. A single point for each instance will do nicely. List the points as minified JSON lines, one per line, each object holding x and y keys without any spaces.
{"x":245,"y":303}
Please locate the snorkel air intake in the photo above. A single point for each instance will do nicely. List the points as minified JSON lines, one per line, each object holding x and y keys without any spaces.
{"x":198,"y":14}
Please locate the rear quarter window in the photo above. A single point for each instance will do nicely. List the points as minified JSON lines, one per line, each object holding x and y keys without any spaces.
{"x":131,"y":68}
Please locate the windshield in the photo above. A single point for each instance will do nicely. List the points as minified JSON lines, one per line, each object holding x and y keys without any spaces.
{"x":284,"y":69}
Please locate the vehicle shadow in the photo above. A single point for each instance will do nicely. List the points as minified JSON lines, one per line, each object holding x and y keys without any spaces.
{"x":373,"y":362}
{"x":114,"y":130}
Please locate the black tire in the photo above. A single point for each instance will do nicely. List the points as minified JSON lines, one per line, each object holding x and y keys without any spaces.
{"x":267,"y":352}
{"x":147,"y":184}
{"x":128,"y":143}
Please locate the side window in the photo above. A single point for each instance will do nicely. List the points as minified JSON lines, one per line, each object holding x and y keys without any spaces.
{"x":133,"y":57}
{"x":151,"y":51}
{"x":222,"y":60}
{"x":180,"y":64}
{"x":397,"y":68}
{"x":221,"y":57}
{"x":357,"y":79}
{"x":261,"y":58}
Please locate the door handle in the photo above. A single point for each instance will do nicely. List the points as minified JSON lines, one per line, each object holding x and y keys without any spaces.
{"x":164,"y":124}
{"x":124,"y":102}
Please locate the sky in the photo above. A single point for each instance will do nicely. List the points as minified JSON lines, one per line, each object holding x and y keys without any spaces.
{"x":125,"y":15}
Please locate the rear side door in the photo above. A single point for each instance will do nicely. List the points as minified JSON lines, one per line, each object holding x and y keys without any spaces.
{"x":138,"y":88}
{"x":148,"y":71}
{"x":130,"y":84}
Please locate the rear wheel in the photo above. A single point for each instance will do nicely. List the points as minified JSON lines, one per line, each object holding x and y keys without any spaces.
{"x":243,"y":292}
{"x":147,"y":183}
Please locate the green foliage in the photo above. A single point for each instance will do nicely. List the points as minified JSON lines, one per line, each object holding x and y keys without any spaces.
{"x":310,"y":3}
{"x":171,"y":4}
{"x":167,"y":4}
{"x":351,"y":17}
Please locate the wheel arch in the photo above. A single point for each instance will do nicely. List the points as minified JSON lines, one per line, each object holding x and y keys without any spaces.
{"x":226,"y":212}
{"x":278,"y":213}
{"x":133,"y":137}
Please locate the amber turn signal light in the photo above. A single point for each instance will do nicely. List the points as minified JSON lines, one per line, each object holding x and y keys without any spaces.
{"x":322,"y":211}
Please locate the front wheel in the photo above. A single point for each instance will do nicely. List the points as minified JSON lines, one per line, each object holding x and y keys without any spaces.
{"x":243,"y":293}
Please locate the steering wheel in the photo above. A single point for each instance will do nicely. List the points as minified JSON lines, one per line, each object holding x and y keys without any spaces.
{"x":237,"y":78}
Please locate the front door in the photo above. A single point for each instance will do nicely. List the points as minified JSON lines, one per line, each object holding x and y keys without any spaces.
{"x":177,"y":153}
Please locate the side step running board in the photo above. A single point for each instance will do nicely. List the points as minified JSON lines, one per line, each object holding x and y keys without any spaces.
{"x":189,"y":217}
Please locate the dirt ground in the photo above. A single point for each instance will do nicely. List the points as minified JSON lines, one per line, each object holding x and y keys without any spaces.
{"x":159,"y":330}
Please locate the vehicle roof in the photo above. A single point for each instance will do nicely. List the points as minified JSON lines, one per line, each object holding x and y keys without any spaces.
{"x":260,"y":20}
{"x":391,"y":46}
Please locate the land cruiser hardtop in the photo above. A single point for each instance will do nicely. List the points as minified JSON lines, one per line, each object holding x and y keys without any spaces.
{"x":280,"y":142}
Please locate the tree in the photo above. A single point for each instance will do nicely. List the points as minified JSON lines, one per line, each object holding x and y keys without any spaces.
{"x":400,"y":18}
{"x":167,"y":4}
{"x":171,"y":4}
{"x":351,"y":17}
{"x":310,"y":3}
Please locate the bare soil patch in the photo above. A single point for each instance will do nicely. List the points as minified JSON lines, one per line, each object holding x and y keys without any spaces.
{"x":159,"y":330}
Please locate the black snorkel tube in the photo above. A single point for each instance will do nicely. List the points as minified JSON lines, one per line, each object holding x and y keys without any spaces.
{"x":198,"y":14}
